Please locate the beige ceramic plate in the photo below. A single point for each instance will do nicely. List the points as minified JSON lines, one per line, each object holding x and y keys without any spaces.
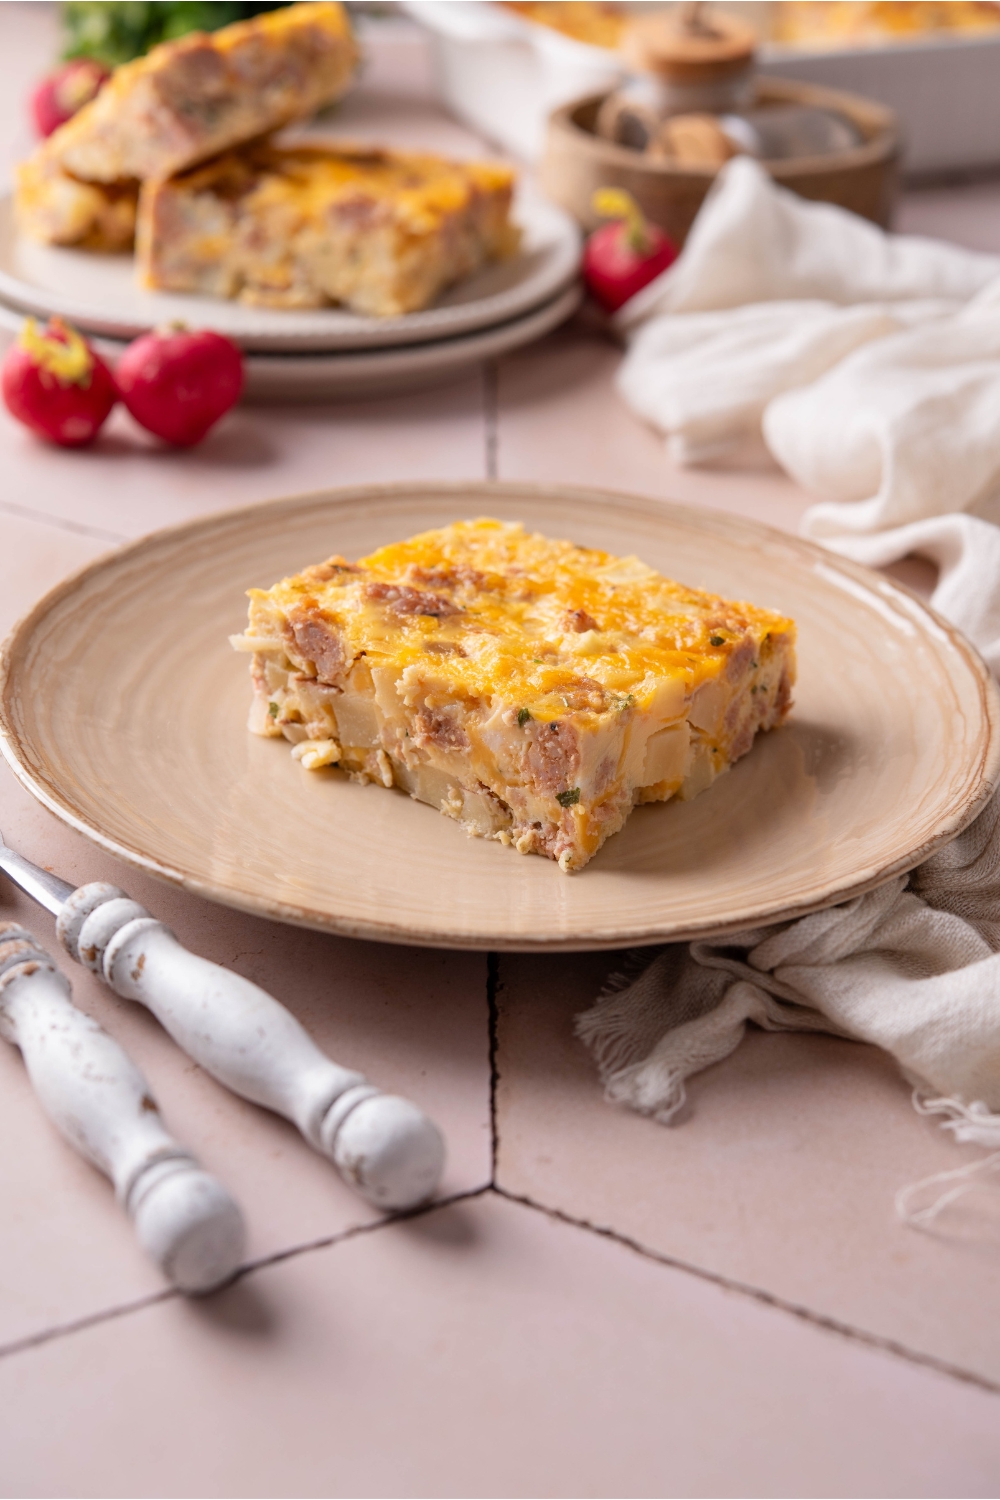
{"x":123,"y":709}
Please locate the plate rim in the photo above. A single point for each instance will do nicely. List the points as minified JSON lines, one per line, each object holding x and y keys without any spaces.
{"x":374,"y":334}
{"x":985,"y":774}
{"x":562,"y":304}
{"x":431,"y":353}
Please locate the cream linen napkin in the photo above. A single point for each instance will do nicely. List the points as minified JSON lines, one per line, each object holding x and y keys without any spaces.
{"x":913,"y":967}
{"x":870,"y":364}
{"x":769,"y":294}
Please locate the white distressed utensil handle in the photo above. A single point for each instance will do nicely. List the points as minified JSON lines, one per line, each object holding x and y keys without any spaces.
{"x":383,"y":1145}
{"x":100,"y":1102}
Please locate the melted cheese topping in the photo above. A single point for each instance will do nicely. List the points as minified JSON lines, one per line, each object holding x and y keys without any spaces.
{"x":586,"y":21}
{"x":423,"y":190}
{"x":491,"y":612}
{"x":272,"y":26}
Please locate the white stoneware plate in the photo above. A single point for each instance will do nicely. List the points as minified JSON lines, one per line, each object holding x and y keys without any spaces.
{"x":357,"y":373}
{"x":123,"y":709}
{"x":98,"y":294}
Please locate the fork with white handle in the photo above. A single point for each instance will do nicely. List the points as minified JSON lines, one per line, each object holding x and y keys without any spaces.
{"x":99,"y":1101}
{"x":383,"y":1146}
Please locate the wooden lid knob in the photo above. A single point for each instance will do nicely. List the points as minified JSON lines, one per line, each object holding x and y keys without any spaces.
{"x":692,"y":48}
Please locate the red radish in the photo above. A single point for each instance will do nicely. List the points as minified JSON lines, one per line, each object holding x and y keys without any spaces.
{"x":178,"y":382}
{"x":56,"y":384}
{"x":58,"y":97}
{"x":620,"y":258}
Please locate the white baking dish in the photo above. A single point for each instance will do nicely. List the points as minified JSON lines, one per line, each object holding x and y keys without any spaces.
{"x":946,"y":93}
{"x":503,"y":75}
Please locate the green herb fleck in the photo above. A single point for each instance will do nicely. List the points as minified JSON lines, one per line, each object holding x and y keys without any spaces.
{"x":272,"y":709}
{"x":622,"y":701}
{"x":537,"y":660}
{"x":717,"y":640}
{"x":523,"y":716}
{"x":568,"y":798}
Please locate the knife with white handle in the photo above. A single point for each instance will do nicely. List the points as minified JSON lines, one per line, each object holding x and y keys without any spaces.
{"x":383,"y":1146}
{"x":98,"y":1100}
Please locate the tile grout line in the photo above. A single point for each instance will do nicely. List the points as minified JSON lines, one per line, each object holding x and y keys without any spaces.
{"x":91,"y":1320}
{"x":493,"y":1018}
{"x":172,"y":1294}
{"x":43,"y":518}
{"x":355,"y":1231}
{"x":491,"y":418}
{"x":757,"y":1294}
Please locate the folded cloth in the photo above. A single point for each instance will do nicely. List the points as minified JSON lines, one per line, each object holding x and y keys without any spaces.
{"x":756,"y":242}
{"x":903,"y":428}
{"x":966,"y":552}
{"x":707,"y":379}
{"x":870,"y":364}
{"x":913,"y":967}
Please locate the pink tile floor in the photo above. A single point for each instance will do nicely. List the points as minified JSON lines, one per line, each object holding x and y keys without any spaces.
{"x":605,"y":1307}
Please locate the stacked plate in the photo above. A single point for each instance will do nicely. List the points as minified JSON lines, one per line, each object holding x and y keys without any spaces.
{"x":296,"y":354}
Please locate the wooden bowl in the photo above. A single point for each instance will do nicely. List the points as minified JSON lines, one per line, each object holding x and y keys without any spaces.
{"x":864,"y":179}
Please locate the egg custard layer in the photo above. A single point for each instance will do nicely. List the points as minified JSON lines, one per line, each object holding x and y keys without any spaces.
{"x":381,"y":232}
{"x":531,"y":689}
